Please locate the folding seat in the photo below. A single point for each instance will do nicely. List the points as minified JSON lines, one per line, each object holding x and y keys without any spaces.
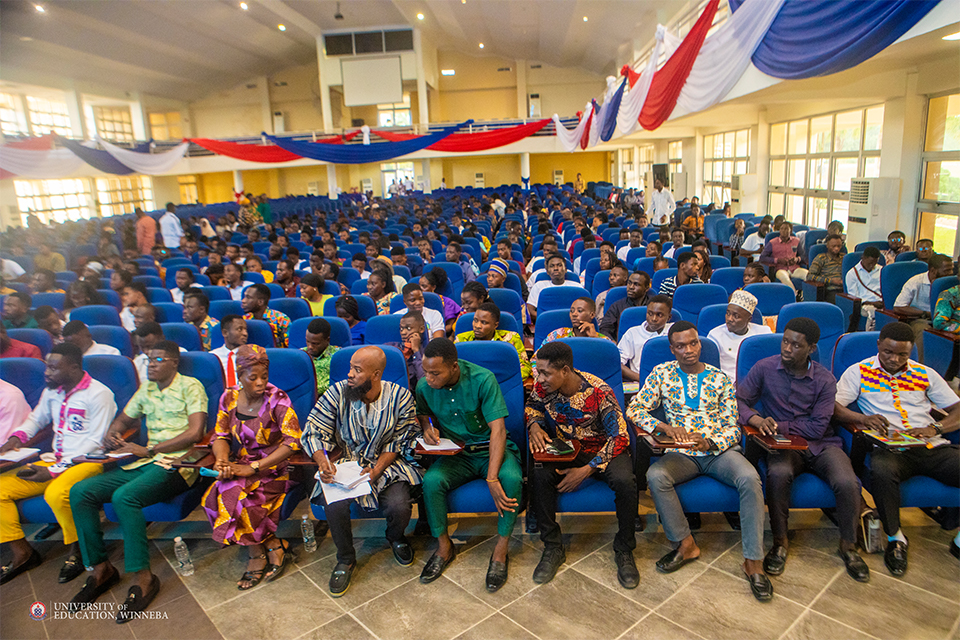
{"x":730,"y":278}
{"x":54,"y":300}
{"x":184,"y":334}
{"x":827,"y":316}
{"x":560,"y":297}
{"x":113,"y":336}
{"x":100,"y":314}
{"x":688,"y":299}
{"x":368,"y":308}
{"x":159,"y":294}
{"x":294,"y":308}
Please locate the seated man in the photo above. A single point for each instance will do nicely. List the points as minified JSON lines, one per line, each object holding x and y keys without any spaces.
{"x":186,"y":280}
{"x":797,"y":397}
{"x":617,"y":278}
{"x":753,"y":245}
{"x":16,"y":311}
{"x":371,"y":422}
{"x":233,"y":280}
{"x":781,"y":254}
{"x":913,"y":303}
{"x":575,"y":405}
{"x":456,"y":256}
{"x":254,"y":305}
{"x":196,"y":308}
{"x":49,"y":320}
{"x":175,"y":408}
{"x":233,"y":328}
{"x":678,"y":237}
{"x":10,"y":348}
{"x":946,"y":316}
{"x":465,"y":404}
{"x":486,"y":323}
{"x":688,"y":272}
{"x":895,"y":246}
{"x":826,"y":269}
{"x":863,"y":281}
{"x":44,"y":281}
{"x":80,"y":410}
{"x":631,"y":344}
{"x":638,"y":295}
{"x":701,"y":411}
{"x":636,"y":240}
{"x":896,"y":396}
{"x":133,"y":296}
{"x":557,"y":269}
{"x":320,"y":351}
{"x":583,"y":313}
{"x":145,"y":339}
{"x":413,"y":300}
{"x":13,"y":409}
{"x":736,"y":328}
{"x":75,"y":332}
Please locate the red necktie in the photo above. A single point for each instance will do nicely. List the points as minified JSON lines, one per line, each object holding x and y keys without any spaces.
{"x":231,"y":372}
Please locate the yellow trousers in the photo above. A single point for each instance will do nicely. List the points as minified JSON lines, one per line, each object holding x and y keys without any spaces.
{"x":56,"y":492}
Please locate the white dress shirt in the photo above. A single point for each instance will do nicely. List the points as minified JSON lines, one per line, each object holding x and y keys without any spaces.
{"x":171,"y":230}
{"x":867,"y":286}
{"x":631,"y":344}
{"x":729,"y":345}
{"x":432,"y":317}
{"x":915,"y":293}
{"x":236,"y":293}
{"x":97,"y":349}
{"x":662,"y":206}
{"x":673,"y":252}
{"x":126,"y":319}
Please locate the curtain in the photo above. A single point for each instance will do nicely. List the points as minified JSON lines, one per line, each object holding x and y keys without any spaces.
{"x":96,"y":158}
{"x":611,"y":108}
{"x":570,"y":139}
{"x":40,"y":164}
{"x":479,"y":141}
{"x":261,"y":153}
{"x":146,"y":163}
{"x":40,"y":143}
{"x":630,"y":106}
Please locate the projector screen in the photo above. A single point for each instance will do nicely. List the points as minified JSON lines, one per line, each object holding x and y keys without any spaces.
{"x":371,"y":81}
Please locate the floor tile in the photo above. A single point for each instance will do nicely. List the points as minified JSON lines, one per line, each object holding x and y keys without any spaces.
{"x":185,"y":619}
{"x":712,"y":544}
{"x":574,"y":606}
{"x":931,"y":567}
{"x":895,"y":609}
{"x":578,"y":546}
{"x":812,"y":625}
{"x":343,"y":628}
{"x":469,"y":571}
{"x":436,"y":611}
{"x":717,"y":605}
{"x":282,"y":609}
{"x":655,"y":627}
{"x":497,"y":626}
{"x":215,"y":573}
{"x":15,"y":620}
{"x":171,"y":584}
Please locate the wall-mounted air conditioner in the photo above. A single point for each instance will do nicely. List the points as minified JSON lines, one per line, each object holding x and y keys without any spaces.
{"x":558,"y":177}
{"x":478,"y":181}
{"x":678,"y":184}
{"x":279,"y":122}
{"x":874,"y":203}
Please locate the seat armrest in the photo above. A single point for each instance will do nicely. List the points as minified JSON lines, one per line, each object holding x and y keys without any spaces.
{"x":946,"y":335}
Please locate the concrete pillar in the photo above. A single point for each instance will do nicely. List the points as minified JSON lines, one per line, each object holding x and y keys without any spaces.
{"x":903,"y":122}
{"x":332,"y":181}
{"x":761,"y":165}
{"x":522,"y":89}
{"x":74,"y":108}
{"x":266,"y":113}
{"x":422,"y":101}
{"x":525,"y":170}
{"x":424,"y":175}
{"x":325,"y":108}
{"x":237,"y":181}
{"x":138,"y":118}
{"x":697,"y":186}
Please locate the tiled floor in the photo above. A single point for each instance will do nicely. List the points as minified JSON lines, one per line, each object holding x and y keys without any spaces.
{"x":815,"y":599}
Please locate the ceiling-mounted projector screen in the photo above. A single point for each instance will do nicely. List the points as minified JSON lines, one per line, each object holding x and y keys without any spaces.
{"x":371,"y":81}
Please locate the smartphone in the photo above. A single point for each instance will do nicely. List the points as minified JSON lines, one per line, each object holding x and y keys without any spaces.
{"x":559,"y":447}
{"x":780,"y":439}
{"x":660,"y":438}
{"x":96,"y":456}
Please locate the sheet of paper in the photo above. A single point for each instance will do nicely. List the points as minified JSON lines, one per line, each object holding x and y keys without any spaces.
{"x":445,"y":444}
{"x":349,"y":483}
{"x":19,"y":454}
{"x":119,"y":455}
{"x":631,"y":387}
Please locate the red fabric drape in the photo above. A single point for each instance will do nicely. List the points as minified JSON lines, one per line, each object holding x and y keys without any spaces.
{"x":585,"y":136}
{"x":480,"y":141}
{"x":632,"y":76}
{"x":34,"y":144}
{"x":260,"y":153}
{"x":669,"y":80}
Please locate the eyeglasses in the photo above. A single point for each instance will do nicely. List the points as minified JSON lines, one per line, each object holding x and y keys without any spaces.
{"x":160,"y":359}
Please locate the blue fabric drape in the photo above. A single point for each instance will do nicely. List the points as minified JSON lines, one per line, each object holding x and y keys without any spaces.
{"x":812,"y":38}
{"x":101,"y":160}
{"x":609,"y":124}
{"x":361,"y":153}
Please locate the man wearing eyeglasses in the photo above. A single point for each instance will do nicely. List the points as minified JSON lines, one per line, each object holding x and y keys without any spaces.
{"x":175,"y":408}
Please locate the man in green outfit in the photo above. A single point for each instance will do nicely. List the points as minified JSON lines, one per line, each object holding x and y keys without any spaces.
{"x":465,"y":404}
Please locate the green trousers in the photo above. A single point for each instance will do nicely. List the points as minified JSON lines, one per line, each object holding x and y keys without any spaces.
{"x":129,"y":491}
{"x":450,"y":472}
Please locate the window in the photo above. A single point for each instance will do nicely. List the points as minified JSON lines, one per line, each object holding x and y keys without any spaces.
{"x":813,"y":160}
{"x":114,"y":123}
{"x":12,"y":120}
{"x":644,"y":162}
{"x":399,"y":171}
{"x":54,"y":200}
{"x":939,"y":203}
{"x":395,"y":115}
{"x":188,"y":189}
{"x":725,"y":155}
{"x":166,"y":126}
{"x":675,"y":156}
{"x":48,"y":116}
{"x":122,"y":195}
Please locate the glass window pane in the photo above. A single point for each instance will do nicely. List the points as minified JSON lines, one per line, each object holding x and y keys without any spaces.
{"x":775,"y":205}
{"x":841,"y":210}
{"x":777,"y":169}
{"x":819,"y":173}
{"x":817,"y":212}
{"x":727,"y":170}
{"x":718,"y":146}
{"x":942,"y":181}
{"x":728,"y":144}
{"x":820,"y":134}
{"x":943,"y":124}
{"x":798,"y":137}
{"x":743,"y":143}
{"x":940,"y":228}
{"x":848,"y":131}
{"x":843,"y":170}
{"x":708,"y":147}
{"x":778,"y":139}
{"x":873,"y":132}
{"x":796,"y":171}
{"x":741,"y":167}
{"x":871,"y":168}
{"x":793,"y":208}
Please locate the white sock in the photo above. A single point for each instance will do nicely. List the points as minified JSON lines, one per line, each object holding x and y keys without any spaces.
{"x":956,"y":540}
{"x":898,"y":536}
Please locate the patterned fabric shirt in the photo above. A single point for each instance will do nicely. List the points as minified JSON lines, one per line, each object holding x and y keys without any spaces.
{"x":383,"y":304}
{"x":825,"y":268}
{"x":715,"y":417}
{"x":946,"y":317}
{"x":276,"y":425}
{"x":388,"y":425}
{"x":510,"y":337}
{"x":592,"y":416}
{"x":279,"y":324}
{"x":322,"y":366}
{"x":205,"y":327}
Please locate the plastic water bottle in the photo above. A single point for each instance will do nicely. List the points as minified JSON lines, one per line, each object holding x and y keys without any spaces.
{"x":185,"y":566}
{"x":309,"y":539}
{"x":876,"y":544}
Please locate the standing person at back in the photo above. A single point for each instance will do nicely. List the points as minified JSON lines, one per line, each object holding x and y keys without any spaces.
{"x":170,"y":228}
{"x":662,"y":204}
{"x":146,"y":232}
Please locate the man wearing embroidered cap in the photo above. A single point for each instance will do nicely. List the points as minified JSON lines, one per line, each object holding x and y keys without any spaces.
{"x":735,"y":330}
{"x":497,"y":276}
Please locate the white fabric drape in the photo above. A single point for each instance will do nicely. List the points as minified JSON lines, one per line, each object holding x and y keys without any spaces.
{"x":366,"y":134}
{"x":633,"y":99}
{"x":570,"y":140}
{"x":725,"y":56}
{"x":42,"y":164}
{"x":146,"y":163}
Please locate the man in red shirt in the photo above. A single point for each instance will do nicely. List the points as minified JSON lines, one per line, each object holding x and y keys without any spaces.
{"x":146,"y":232}
{"x":10,"y":348}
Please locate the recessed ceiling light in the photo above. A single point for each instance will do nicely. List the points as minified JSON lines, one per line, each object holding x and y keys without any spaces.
{"x":26,"y":39}
{"x":281,"y":27}
{"x":39,"y":8}
{"x":448,"y":72}
{"x":243,"y":5}
{"x":952,"y":36}
{"x":584,"y":18}
{"x":419,"y":16}
{"x":481,"y":45}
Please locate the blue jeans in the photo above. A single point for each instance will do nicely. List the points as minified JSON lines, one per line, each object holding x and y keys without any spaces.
{"x":730,"y":468}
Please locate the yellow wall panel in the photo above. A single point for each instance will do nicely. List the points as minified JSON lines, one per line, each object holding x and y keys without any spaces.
{"x":215,"y":187}
{"x":594,"y":165}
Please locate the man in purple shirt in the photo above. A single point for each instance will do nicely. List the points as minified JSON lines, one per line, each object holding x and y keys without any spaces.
{"x":797,"y":397}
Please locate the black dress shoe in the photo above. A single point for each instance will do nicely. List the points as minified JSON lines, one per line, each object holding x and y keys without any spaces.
{"x":137,"y":600}
{"x":855,"y":565}
{"x":340,"y":579}
{"x":627,"y":573}
{"x":693,"y":520}
{"x":402,"y":552}
{"x":954,"y":549}
{"x":895,"y":557}
{"x":435,"y":566}
{"x":673,"y":561}
{"x":422,"y":528}
{"x":496,"y":574}
{"x":72,"y":567}
{"x":91,"y":591}
{"x":550,"y":562}
{"x":775,"y":560}
{"x":9,"y":572}
{"x":761,"y":587}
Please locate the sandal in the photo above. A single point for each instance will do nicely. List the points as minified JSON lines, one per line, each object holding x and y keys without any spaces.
{"x":254,"y":576}
{"x":274,"y":571}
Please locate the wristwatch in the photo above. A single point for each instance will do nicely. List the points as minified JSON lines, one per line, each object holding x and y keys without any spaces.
{"x":151,"y":452}
{"x":255,"y":465}
{"x":938,"y":427}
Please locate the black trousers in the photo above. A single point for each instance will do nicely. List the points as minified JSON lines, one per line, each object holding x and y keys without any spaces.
{"x":889,"y":468}
{"x":833,"y":466}
{"x":618,"y":475}
{"x":396,"y":505}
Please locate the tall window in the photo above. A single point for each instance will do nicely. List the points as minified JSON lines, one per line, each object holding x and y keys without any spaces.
{"x":939,"y":205}
{"x":54,"y":200}
{"x":188,"y":189}
{"x":395,"y":115}
{"x":724,"y":155}
{"x":48,"y":116}
{"x":114,"y":123}
{"x":122,"y":195}
{"x":644,"y":162}
{"x":675,"y":156}
{"x":812,"y":161}
{"x":13,"y":122}
{"x":399,"y":171}
{"x":166,"y":126}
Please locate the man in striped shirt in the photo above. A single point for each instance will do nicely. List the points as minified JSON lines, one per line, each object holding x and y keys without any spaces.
{"x":688,"y":266}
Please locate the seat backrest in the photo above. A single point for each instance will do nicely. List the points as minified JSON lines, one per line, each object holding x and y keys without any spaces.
{"x":294,"y":308}
{"x":383,"y":329}
{"x":117,"y":372}
{"x":601,"y":358}
{"x":150,"y":281}
{"x":730,"y":278}
{"x":114,"y":336}
{"x":221,"y":308}
{"x":771,"y":296}
{"x":368,"y":308}
{"x":184,"y":334}
{"x":813,"y":250}
{"x":715,"y":315}
{"x":54,"y":300}
{"x":827,"y":316}
{"x":756,"y":348}
{"x":690,"y":298}
{"x":430,"y":300}
{"x":101,"y":314}
{"x":883,"y":245}
{"x":465,"y":323}
{"x":216,"y":293}
{"x":159,"y":294}
{"x":292,"y":371}
{"x":348,"y":275}
{"x":854,"y":347}
{"x":455,"y":273}
{"x":111,"y":298}
{"x":37,"y":337}
{"x":260,"y":333}
{"x":906,"y":256}
{"x":660,"y":276}
{"x":173,"y":312}
{"x":206,"y":368}
{"x":501,"y":359}
{"x":590,"y":271}
{"x":657,"y":351}
{"x":339,"y":332}
{"x":395,"y":371}
{"x":359,"y":287}
{"x":601,"y":282}
{"x":548,"y":321}
{"x":27,"y":374}
{"x":719,"y":262}
{"x":559,"y":297}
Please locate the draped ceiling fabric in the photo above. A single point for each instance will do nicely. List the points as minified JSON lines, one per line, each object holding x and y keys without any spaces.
{"x":41,"y":164}
{"x":40,"y":143}
{"x":261,"y":153}
{"x":150,"y":164}
{"x":479,"y":141}
{"x":98,"y":159}
{"x":610,"y":112}
{"x":570,"y":139}
{"x":629,"y":116}
{"x":359,"y":154}
{"x":812,"y":38}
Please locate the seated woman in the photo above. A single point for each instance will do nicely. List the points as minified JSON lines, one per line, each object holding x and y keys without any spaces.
{"x":473,"y":295}
{"x":243,"y":505}
{"x":435,"y":279}
{"x":706,"y":271}
{"x":380,"y":287}
{"x":80,"y":293}
{"x":349,"y":309}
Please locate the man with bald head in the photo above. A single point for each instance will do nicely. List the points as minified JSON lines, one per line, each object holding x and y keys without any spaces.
{"x":374,"y":423}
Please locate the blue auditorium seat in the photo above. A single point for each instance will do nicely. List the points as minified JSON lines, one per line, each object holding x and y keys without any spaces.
{"x":101,"y":314}
{"x":54,"y":300}
{"x":216,"y":293}
{"x":509,"y":301}
{"x":222,"y":308}
{"x":827,"y":316}
{"x":383,"y":329}
{"x":294,"y":308}
{"x":260,"y":333}
{"x":27,"y":374}
{"x":465,"y":323}
{"x":158,"y":294}
{"x":715,"y":315}
{"x":560,"y":297}
{"x":657,"y":351}
{"x":368,"y":308}
{"x":396,"y":370}
{"x":690,"y":298}
{"x":170,"y":312}
{"x":37,"y":337}
{"x":730,"y":278}
{"x":548,"y":321}
{"x":184,"y":334}
{"x":117,"y":337}
{"x":339,"y":332}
